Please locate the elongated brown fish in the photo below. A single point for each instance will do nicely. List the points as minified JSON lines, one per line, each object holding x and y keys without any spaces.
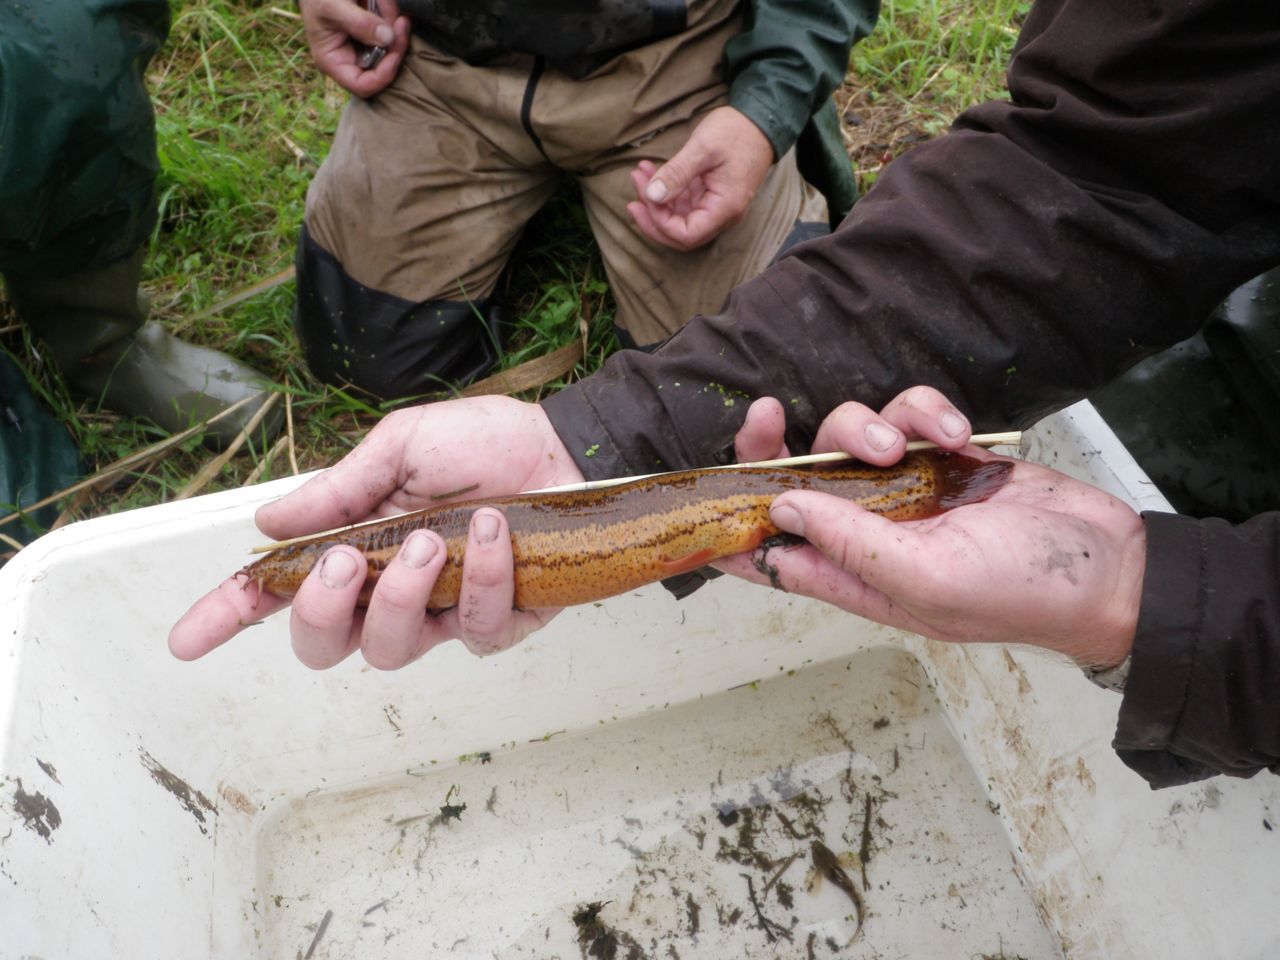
{"x":584,"y":546}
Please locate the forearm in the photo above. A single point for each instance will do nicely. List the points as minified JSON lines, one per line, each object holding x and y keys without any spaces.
{"x":1015,"y":264}
{"x":1201,"y":694}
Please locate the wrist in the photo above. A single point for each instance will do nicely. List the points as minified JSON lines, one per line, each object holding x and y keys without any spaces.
{"x":557,"y":463}
{"x":1107,"y":662}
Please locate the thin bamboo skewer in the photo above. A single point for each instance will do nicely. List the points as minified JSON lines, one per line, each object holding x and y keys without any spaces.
{"x":1010,"y":438}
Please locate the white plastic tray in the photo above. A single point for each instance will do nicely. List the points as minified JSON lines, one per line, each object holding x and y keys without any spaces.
{"x":644,"y":766}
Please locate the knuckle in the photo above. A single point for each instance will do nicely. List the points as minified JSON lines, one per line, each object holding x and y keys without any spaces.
{"x":396,"y":597}
{"x":313,"y":619}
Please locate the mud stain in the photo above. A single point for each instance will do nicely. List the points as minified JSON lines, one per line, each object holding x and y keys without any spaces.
{"x":49,"y":769}
{"x":193,"y":801}
{"x":238,"y":800}
{"x":36,"y":811}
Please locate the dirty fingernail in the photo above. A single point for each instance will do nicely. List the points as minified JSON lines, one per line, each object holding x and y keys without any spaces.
{"x":787,"y":518}
{"x":384,"y":35}
{"x":656,"y":191}
{"x":337,"y":570}
{"x":881,"y":437}
{"x":953,"y":425}
{"x":486,"y":528}
{"x":418,"y":550}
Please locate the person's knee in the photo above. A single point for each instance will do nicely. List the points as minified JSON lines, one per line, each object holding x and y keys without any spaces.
{"x":357,"y":337}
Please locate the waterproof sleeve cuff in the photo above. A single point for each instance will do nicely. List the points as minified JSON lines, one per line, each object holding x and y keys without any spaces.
{"x":781,"y":127}
{"x":585,"y":435}
{"x":679,"y":406}
{"x":789,"y":60}
{"x":1197,"y":703}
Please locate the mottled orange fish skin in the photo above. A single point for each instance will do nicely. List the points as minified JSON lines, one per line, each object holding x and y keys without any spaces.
{"x":579,"y":547}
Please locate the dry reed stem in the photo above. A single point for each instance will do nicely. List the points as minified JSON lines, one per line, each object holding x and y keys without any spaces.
{"x":214,"y":466}
{"x":265,"y":462}
{"x":288,"y":427}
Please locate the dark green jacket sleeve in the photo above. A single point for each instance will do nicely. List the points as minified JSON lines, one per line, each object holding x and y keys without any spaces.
{"x":782,"y":70}
{"x":77,"y":133}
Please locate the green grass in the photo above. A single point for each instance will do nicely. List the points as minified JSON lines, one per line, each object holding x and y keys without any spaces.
{"x":244,"y":120}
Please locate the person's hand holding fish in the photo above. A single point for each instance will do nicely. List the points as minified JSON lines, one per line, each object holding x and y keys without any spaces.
{"x":414,"y":458}
{"x":1046,"y":560}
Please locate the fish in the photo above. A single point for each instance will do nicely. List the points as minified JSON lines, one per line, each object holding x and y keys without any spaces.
{"x":827,"y":865}
{"x":583,"y":546}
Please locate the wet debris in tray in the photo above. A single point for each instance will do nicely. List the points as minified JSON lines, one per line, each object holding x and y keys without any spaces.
{"x":779,"y":833}
{"x":192,"y":800}
{"x":600,"y":940}
{"x":693,"y":912}
{"x":49,"y":770}
{"x":743,"y":851}
{"x":773,"y":930}
{"x":36,"y":811}
{"x":449,"y":811}
{"x":392,"y":714}
{"x":315,"y":941}
{"x":1001,"y":955}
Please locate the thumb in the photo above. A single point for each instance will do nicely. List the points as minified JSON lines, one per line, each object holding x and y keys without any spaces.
{"x":761,"y":436}
{"x":361,"y":24}
{"x":875,"y":549}
{"x":673,"y":177}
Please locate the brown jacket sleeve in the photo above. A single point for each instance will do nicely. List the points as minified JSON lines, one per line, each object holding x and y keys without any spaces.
{"x":1202,"y":695}
{"x":1039,"y":248}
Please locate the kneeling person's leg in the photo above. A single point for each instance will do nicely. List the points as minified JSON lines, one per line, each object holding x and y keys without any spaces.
{"x":409,"y":224}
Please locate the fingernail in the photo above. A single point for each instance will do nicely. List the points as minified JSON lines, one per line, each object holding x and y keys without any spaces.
{"x":485,"y":527}
{"x":787,"y":518}
{"x":952,"y":424}
{"x":384,"y":35}
{"x":656,"y":191}
{"x":881,"y":437}
{"x":418,"y":550}
{"x":337,"y":570}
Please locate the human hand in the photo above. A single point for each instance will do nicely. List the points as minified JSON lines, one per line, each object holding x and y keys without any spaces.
{"x":483,"y":447}
{"x":706,"y":187}
{"x":333,"y":28}
{"x":1046,"y":560}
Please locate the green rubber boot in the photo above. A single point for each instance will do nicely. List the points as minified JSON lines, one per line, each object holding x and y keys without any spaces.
{"x":95,"y":326}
